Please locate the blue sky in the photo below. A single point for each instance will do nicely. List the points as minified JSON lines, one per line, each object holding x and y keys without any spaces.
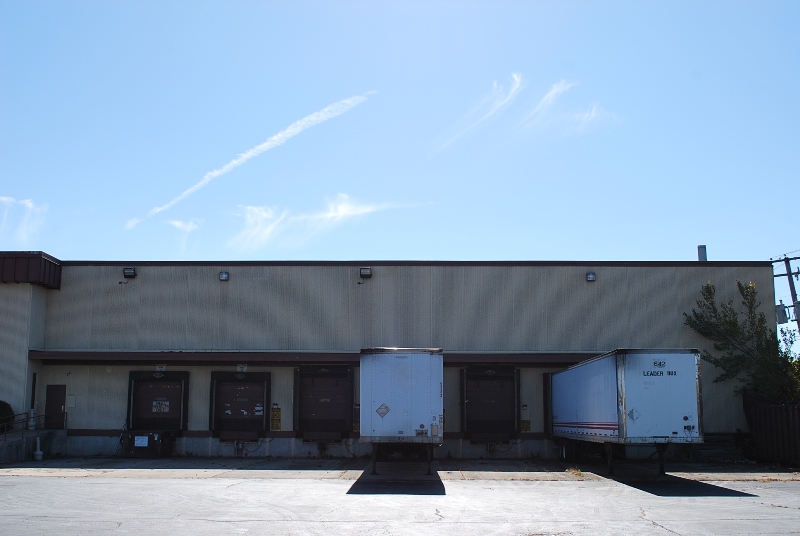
{"x":413,"y":130}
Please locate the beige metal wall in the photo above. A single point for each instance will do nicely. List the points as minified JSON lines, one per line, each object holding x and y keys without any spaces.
{"x":531,"y":394}
{"x":15,"y":311}
{"x":323,"y":308}
{"x":22,"y":314}
{"x":452,"y":399}
{"x":100,"y":393}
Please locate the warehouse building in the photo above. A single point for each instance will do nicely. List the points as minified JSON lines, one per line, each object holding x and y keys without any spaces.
{"x":262,"y":358}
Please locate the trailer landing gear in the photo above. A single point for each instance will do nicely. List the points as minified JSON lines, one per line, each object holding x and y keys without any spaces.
{"x":430,"y":458}
{"x":661,"y":448}
{"x":610,"y":457}
{"x":376,"y":453}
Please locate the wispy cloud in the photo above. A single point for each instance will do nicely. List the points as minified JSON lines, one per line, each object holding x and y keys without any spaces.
{"x":260,"y":226}
{"x":7,"y":202}
{"x":264,"y":224}
{"x":499,"y":99}
{"x":589,"y":115}
{"x":28,"y":224}
{"x":186,"y":227}
{"x":329,"y":112}
{"x":544,"y":105}
{"x":595,"y":115}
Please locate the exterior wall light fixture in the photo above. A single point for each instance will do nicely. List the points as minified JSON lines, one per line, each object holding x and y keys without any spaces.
{"x":591,"y":276}
{"x":129,"y":272}
{"x":224,"y":276}
{"x":365,"y":272}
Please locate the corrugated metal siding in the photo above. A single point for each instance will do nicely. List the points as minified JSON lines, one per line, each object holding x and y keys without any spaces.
{"x":405,"y":306}
{"x":38,"y":315}
{"x":15,"y":318}
{"x":69,"y":319}
{"x":113,"y":314}
{"x":472,"y":308}
{"x":459,"y":308}
{"x":164,"y":308}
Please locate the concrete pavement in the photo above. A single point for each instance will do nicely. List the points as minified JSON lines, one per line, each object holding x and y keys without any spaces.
{"x":311,"y":496}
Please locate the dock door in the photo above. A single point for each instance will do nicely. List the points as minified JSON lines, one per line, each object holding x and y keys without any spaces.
{"x":240,"y":404}
{"x":158,"y":400}
{"x":323,"y":405}
{"x":490,"y":403}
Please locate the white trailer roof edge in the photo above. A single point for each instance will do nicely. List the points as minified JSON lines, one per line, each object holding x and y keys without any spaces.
{"x":632,"y":351}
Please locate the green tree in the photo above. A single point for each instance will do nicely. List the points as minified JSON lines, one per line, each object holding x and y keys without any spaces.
{"x":746,"y":348}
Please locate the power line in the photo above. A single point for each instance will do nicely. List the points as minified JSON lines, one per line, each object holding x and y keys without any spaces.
{"x":784,"y":254}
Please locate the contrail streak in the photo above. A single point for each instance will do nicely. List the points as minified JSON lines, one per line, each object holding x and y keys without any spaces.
{"x":329,"y":112}
{"x":499,"y":102}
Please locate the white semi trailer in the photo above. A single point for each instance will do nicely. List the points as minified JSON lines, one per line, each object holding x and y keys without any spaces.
{"x":401,"y":400}
{"x":629,"y":397}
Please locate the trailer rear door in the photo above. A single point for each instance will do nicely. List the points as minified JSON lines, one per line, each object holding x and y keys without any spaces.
{"x":662,"y":397}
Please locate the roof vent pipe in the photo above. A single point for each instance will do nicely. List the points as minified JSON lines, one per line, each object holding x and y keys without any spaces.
{"x":702,"y":256}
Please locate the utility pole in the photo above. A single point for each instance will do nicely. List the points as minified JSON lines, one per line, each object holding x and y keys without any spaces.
{"x":789,"y":274}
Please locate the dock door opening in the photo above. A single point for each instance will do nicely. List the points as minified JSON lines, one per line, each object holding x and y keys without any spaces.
{"x":323,"y":403}
{"x":158,"y":400}
{"x":240,"y":404}
{"x":490,"y":403}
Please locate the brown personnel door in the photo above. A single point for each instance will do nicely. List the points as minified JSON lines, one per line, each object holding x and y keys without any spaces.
{"x":54,"y":407}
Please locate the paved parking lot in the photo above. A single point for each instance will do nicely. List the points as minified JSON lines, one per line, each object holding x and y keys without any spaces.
{"x":310,"y":496}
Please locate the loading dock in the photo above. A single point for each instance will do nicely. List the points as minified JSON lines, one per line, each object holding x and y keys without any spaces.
{"x":490,"y":403}
{"x":323,"y":402}
{"x":158,"y":400}
{"x":239,"y":403}
{"x":278,"y":315}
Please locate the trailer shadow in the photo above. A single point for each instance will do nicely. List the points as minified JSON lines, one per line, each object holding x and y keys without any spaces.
{"x":675,"y":486}
{"x":645,"y":477}
{"x":398,"y":478}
